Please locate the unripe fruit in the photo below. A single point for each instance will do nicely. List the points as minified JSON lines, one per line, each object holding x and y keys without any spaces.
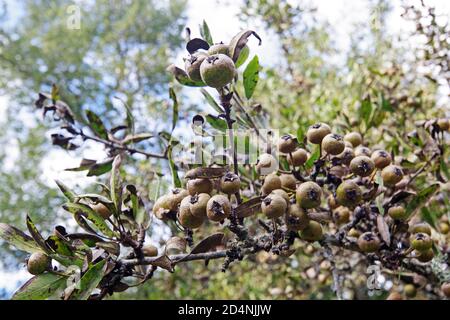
{"x":217,"y":70}
{"x":362,"y":151}
{"x":445,"y":288}
{"x":381,"y":159}
{"x":362,"y":166}
{"x":333,"y":144}
{"x":198,"y":204}
{"x":354,"y":138}
{"x":201,"y":185}
{"x":348,"y":193}
{"x":354,"y":233}
{"x":175,"y":196}
{"x":309,"y":195}
{"x":102,"y":210}
{"x":341,"y":215}
{"x":150,"y":250}
{"x":410,"y":290}
{"x":443,"y":124}
{"x":346,"y":156}
{"x":421,"y":242}
{"x":394,"y":296}
{"x":424,"y":256}
{"x":266,"y":164}
{"x":368,"y":242}
{"x":317,"y":132}
{"x":296,"y":219}
{"x":391,"y":175}
{"x":219,"y":48}
{"x":288,"y":181}
{"x":397,"y":213}
{"x":230,"y":183}
{"x":283,"y":194}
{"x":444,"y":227}
{"x":271,"y":182}
{"x":38,"y":263}
{"x":218,"y":208}
{"x":192,"y":65}
{"x":421,"y":227}
{"x":185,"y":216}
{"x":287,"y":144}
{"x":298,"y":157}
{"x":273,"y":206}
{"x":312,"y":232}
{"x":332,"y":203}
{"x":161,"y":208}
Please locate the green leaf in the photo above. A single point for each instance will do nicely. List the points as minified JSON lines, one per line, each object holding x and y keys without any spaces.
{"x":91,"y":215}
{"x":314,"y":156}
{"x":216,"y":122}
{"x":59,"y":246}
{"x":386,"y":105}
{"x":251,"y":77}
{"x":55,"y":93}
{"x":205,"y":33}
{"x":444,"y":169}
{"x":428,"y":216}
{"x":41,"y":287}
{"x":421,"y":198}
{"x":89,"y":281}
{"x":96,"y":124}
{"x":245,"y":52}
{"x":69,"y":194}
{"x":88,"y":239}
{"x":211,"y":101}
{"x":365,"y":111}
{"x":18,"y":239}
{"x":36,"y":235}
{"x":173,"y":96}
{"x":115,"y":183}
{"x":100,"y":168}
{"x":173,"y":169}
{"x":182,"y":77}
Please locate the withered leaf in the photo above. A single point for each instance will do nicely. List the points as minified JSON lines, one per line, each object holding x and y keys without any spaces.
{"x":110,"y":247}
{"x":383,"y":229}
{"x":163,"y":262}
{"x":239,"y":41}
{"x":249,"y":208}
{"x":210,"y":243}
{"x":196,"y":44}
{"x":175,"y":245}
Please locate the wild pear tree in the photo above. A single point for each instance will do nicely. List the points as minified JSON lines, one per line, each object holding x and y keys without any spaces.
{"x":329,"y":188}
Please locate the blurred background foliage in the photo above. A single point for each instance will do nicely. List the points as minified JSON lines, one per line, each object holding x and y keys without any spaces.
{"x":383,"y":81}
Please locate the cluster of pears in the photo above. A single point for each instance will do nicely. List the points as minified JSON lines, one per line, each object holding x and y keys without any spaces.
{"x":196,"y":203}
{"x":352,"y":161}
{"x":214,"y":67}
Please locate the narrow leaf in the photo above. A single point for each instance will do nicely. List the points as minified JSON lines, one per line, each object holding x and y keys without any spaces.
{"x":91,"y":215}
{"x":41,"y":287}
{"x":18,"y":239}
{"x":89,"y":281}
{"x":251,"y":77}
{"x":96,"y":124}
{"x":205,"y":33}
{"x":69,"y":194}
